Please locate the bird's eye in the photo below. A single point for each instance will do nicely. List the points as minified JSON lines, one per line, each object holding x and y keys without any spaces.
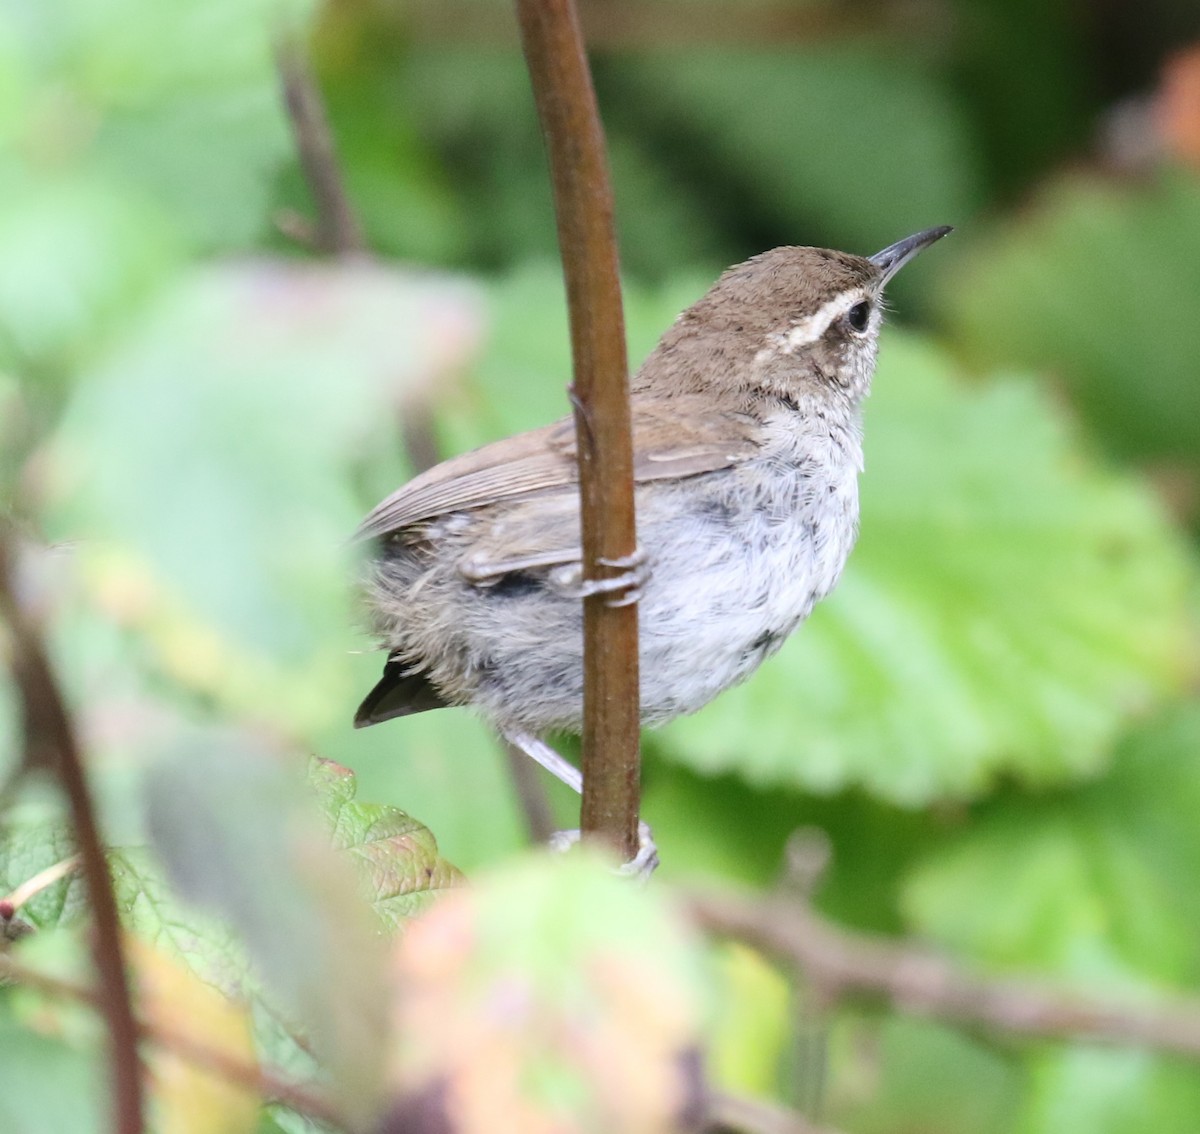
{"x":858,"y":317}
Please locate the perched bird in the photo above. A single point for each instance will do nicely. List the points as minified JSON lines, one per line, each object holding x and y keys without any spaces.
{"x":747,"y":444}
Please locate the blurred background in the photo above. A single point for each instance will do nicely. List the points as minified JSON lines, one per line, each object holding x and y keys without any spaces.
{"x":995,"y":718}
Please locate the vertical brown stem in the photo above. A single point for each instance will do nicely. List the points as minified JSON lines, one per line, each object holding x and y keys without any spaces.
{"x":566,"y":104}
{"x":50,"y":741}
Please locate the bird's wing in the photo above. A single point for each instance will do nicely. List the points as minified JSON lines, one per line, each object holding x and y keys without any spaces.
{"x":670,"y":441}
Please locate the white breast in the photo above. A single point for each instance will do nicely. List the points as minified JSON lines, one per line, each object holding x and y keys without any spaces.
{"x":761,"y":545}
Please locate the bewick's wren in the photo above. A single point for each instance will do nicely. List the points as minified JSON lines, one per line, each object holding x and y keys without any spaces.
{"x":747,"y":448}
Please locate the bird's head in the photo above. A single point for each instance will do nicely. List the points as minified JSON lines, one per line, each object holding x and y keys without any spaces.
{"x":791,"y":321}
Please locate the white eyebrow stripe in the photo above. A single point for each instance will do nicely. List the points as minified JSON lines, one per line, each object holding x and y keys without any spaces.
{"x":812,"y":327}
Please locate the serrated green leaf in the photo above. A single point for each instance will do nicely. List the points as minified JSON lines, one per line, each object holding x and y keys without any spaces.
{"x":1094,"y":886}
{"x":152,"y":910}
{"x":1096,"y":283}
{"x":397,"y":855}
{"x":1009,"y":607}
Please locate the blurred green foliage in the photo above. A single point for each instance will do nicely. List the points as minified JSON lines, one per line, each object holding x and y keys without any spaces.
{"x":994,"y":719}
{"x":1097,"y":286}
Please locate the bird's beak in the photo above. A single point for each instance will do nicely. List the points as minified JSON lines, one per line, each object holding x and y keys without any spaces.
{"x":895,"y":256}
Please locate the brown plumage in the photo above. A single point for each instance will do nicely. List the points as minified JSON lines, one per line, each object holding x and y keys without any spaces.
{"x":747,"y":447}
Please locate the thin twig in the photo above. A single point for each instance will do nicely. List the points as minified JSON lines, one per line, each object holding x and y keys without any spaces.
{"x":337,"y":230}
{"x":266,"y":1083}
{"x":566,"y":104}
{"x":418,"y":433}
{"x":42,"y":880}
{"x":50,"y":731}
{"x":838,"y":963}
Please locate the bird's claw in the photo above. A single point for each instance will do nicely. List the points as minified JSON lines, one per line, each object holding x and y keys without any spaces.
{"x":625,"y":588}
{"x":645,"y":862}
{"x":640,"y":867}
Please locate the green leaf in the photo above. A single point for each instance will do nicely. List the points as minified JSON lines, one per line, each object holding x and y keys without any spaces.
{"x":32,"y":839}
{"x":763,"y":124}
{"x":750,"y":1029}
{"x":48,"y":1087}
{"x":78,"y":256}
{"x":225,"y":426}
{"x":278,"y":1119}
{"x":1010,"y":606}
{"x":396,"y":854}
{"x":1089,"y":1091}
{"x":1097,"y":284}
{"x":522,"y":378}
{"x":154,"y":911}
{"x":898,"y":1075}
{"x":182,"y":103}
{"x":1089,"y":886}
{"x":723,"y":826}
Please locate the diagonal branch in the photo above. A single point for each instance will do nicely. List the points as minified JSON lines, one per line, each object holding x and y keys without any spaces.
{"x":839,"y":963}
{"x":337,"y":231}
{"x":50,"y":735}
{"x":566,"y":104}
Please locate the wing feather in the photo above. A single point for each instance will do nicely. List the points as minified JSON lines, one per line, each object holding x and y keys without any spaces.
{"x":669,"y":443}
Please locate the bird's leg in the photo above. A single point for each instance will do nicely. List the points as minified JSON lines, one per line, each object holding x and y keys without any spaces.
{"x":625,"y":588}
{"x":643,"y":864}
{"x":634,"y":574}
{"x":562,"y":770}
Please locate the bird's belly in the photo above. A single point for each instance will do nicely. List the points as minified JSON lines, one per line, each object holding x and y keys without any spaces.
{"x":726,"y":594}
{"x":734,"y":568}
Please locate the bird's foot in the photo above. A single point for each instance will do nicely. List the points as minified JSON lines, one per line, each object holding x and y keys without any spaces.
{"x":624,"y":589}
{"x":640,"y":867}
